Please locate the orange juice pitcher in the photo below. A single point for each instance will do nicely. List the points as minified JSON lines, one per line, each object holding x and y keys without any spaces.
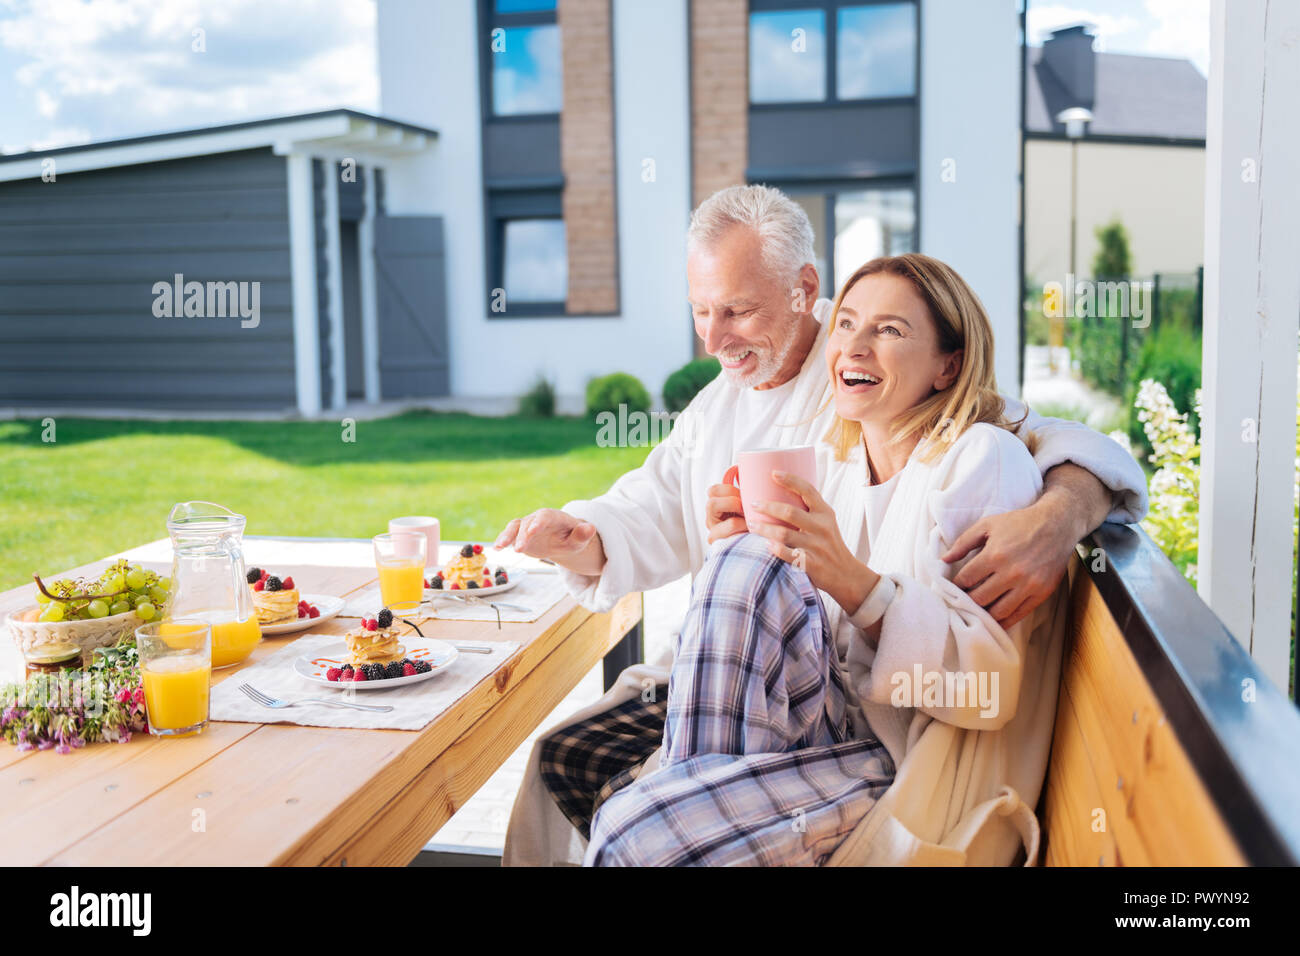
{"x":209,"y":581}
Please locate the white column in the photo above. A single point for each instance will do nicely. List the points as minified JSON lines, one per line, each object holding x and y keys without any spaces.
{"x":967,"y":180}
{"x":1252,"y":307}
{"x":334,"y":286}
{"x":302,"y":260}
{"x":369,"y":289}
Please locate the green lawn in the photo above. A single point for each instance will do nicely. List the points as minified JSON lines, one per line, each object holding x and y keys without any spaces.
{"x":104,"y":486}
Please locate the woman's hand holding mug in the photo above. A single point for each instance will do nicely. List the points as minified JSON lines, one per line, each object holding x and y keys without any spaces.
{"x":810,"y":539}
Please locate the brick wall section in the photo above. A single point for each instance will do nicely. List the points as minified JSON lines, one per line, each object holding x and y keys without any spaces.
{"x":587,"y":155}
{"x":719,"y":94}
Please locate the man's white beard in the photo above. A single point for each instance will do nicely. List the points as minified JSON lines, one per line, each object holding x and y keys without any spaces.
{"x":769,"y":361}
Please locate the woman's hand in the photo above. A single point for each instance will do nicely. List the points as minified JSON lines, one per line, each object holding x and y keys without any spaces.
{"x":814,"y":543}
{"x":723,"y":514}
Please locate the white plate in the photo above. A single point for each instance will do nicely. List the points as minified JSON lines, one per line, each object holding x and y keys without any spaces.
{"x":328,"y":606}
{"x":512,"y":579}
{"x":438,"y":653}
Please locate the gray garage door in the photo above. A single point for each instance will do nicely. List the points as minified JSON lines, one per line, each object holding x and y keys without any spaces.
{"x":412,"y":291}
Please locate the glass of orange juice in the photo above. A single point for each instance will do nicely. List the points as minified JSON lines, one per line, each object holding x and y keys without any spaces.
{"x":176,"y":665}
{"x":399,"y":558}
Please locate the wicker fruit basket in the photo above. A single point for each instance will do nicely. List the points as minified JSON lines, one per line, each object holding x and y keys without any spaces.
{"x":89,"y":634}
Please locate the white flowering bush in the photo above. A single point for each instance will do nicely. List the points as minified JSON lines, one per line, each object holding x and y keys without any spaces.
{"x":1175,"y":486}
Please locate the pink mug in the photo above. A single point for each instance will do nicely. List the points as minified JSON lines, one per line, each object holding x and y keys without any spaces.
{"x":752,"y":476}
{"x":422,"y":525}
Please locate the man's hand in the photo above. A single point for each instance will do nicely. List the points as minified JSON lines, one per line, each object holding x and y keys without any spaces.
{"x":557,"y":536}
{"x":723,"y":514}
{"x":1024,"y":554}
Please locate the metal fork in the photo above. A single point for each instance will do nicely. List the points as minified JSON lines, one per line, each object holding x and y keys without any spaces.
{"x":276,"y":703}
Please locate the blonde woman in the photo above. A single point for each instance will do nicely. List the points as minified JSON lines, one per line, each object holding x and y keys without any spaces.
{"x":834,"y":696}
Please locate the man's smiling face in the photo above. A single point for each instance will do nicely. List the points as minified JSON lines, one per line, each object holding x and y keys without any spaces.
{"x":744,"y":315}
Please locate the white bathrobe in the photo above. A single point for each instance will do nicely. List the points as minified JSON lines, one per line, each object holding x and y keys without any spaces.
{"x":652,"y":527}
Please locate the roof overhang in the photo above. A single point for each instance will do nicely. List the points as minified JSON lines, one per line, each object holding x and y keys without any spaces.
{"x":334,"y":134}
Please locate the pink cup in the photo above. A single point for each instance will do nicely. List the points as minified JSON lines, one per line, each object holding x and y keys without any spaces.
{"x":752,"y":475}
{"x":419,"y":524}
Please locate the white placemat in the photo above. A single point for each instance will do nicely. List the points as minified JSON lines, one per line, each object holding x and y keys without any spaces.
{"x":538,"y":590}
{"x":414,"y":705}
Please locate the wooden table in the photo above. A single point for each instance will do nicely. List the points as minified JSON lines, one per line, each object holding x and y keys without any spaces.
{"x":259,"y":794}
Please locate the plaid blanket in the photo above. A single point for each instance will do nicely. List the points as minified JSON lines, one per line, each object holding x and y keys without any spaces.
{"x":758,"y":764}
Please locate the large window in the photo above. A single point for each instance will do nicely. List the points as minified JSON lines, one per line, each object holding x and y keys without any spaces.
{"x":524,"y":47}
{"x":854,"y":225}
{"x":529,"y":256}
{"x":814,"y":51}
{"x":535,"y":262}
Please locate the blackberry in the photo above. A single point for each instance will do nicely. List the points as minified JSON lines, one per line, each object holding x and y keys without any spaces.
{"x":436,"y":584}
{"x":472,"y":585}
{"x":422,"y":667}
{"x":502,"y":579}
{"x":394,"y":669}
{"x":273,"y":583}
{"x":385,"y":618}
{"x":374,"y":671}
{"x":467,"y":551}
{"x":254,"y":575}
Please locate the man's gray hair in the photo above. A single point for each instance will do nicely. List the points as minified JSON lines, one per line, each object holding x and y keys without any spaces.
{"x":782,"y":226}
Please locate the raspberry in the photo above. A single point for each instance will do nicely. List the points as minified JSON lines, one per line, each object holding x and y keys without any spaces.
{"x":333,"y":673}
{"x":478,"y":549}
{"x":455,"y":587}
{"x":301,"y":612}
{"x":314,"y":612}
{"x":288,"y":584}
{"x":359,"y":674}
{"x":370,"y":624}
{"x":427,"y":585}
{"x":408,"y":669}
{"x":265,"y":574}
{"x":258,"y":585}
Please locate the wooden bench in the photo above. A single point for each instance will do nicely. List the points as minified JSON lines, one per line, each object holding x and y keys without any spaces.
{"x":1170,"y":747}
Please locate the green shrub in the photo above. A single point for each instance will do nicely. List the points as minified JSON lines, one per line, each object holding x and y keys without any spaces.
{"x":1171,"y":355}
{"x":685,"y":383}
{"x":607,"y":393}
{"x":538,"y":401}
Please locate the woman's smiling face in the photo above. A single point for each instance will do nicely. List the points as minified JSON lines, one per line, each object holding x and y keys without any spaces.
{"x":883,"y":353}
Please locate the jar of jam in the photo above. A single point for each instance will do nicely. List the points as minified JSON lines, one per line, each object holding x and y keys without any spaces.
{"x":52,"y":658}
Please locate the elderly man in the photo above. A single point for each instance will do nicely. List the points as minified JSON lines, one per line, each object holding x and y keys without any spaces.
{"x":754,"y":293}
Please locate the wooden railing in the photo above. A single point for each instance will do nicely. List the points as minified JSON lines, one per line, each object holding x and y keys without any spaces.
{"x":1170,"y":747}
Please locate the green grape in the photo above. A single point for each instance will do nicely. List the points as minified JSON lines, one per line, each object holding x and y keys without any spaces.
{"x":42,"y":597}
{"x":135,"y":579}
{"x":114,"y":582}
{"x":158,"y":595}
{"x":120,"y":607}
{"x":53,"y":612}
{"x":97,"y":608}
{"x":144,"y":610}
{"x":165,"y":583}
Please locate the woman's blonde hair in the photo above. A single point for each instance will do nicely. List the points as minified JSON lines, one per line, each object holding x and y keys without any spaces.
{"x":961,"y":323}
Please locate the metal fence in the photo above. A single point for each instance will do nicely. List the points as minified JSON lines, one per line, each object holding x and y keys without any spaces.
{"x":1106,"y":333}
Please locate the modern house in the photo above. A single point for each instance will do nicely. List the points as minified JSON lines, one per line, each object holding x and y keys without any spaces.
{"x":534,"y":169}
{"x":576,"y":136}
{"x":1137,"y":157}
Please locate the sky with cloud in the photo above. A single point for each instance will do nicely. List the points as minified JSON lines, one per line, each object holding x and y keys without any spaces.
{"x":73,"y":71}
